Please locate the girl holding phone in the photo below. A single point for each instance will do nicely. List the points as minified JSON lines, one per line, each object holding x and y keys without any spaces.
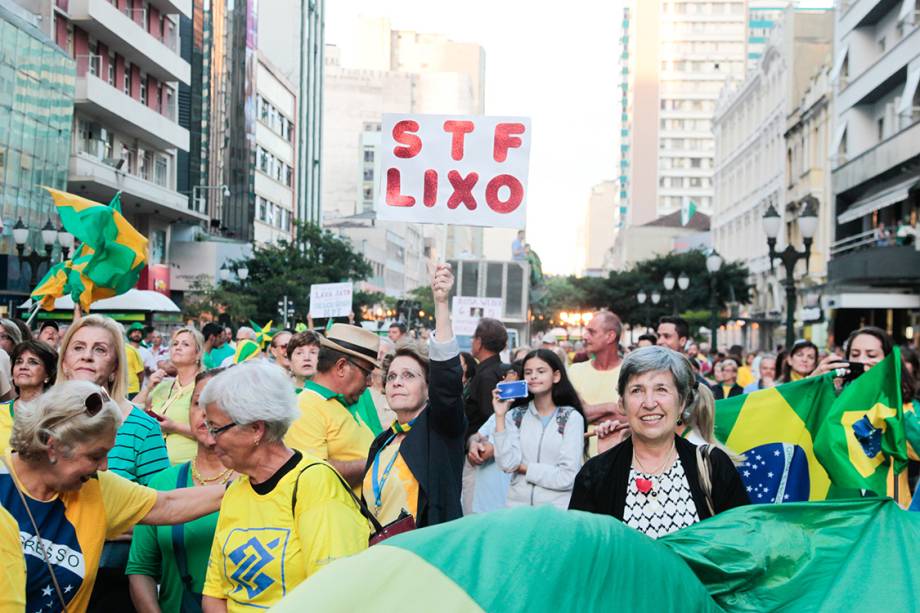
{"x":540,"y":439}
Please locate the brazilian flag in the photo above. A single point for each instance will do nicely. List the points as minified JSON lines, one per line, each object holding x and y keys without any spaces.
{"x":803,"y":442}
{"x":107,"y":263}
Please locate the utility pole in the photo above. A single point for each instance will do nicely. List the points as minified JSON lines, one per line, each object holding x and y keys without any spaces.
{"x":286,"y":310}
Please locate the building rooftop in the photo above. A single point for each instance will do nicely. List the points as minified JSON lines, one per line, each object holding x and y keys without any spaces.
{"x":699,"y":222}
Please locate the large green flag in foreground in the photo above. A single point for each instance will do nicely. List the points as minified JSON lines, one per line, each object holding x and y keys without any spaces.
{"x":846,"y":555}
{"x":854,"y":555}
{"x":803,"y":442}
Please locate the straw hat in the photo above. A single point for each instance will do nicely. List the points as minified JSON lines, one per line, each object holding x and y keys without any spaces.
{"x":354,"y":341}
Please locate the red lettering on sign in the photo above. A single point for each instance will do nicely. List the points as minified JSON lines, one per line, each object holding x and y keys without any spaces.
{"x":430,"y":195}
{"x":459,"y":129}
{"x":394,"y":197}
{"x":463,"y":190}
{"x":505,"y":139}
{"x":513,"y":201}
{"x":402,"y":134}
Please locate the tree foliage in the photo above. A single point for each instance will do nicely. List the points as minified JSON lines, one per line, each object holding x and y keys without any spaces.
{"x":288,"y":268}
{"x":619,"y":291}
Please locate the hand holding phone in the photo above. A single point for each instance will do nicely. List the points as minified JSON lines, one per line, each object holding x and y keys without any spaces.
{"x":511,"y":390}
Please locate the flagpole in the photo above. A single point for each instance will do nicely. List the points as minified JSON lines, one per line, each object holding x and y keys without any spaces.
{"x":36,"y":305}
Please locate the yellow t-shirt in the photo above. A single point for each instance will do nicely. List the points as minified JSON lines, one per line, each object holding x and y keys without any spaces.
{"x":13,"y":579}
{"x":398,"y":486}
{"x":745,"y":376}
{"x":263,"y":548}
{"x":135,"y":365}
{"x":75,"y":524}
{"x":726,"y":389}
{"x":326,"y":429}
{"x":594,"y":387}
{"x":6,"y":425}
{"x":169,"y":399}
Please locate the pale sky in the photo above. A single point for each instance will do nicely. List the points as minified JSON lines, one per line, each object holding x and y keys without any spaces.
{"x":553,"y":62}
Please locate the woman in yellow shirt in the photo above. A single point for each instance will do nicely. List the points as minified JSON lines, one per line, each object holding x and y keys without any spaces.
{"x":168,"y":400}
{"x":289,"y":514}
{"x":56,"y":486}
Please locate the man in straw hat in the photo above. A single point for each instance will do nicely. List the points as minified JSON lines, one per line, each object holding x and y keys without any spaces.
{"x":326,"y":428}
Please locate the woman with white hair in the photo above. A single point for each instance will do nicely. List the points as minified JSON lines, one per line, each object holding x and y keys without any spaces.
{"x":10,"y":335}
{"x":55,"y":484}
{"x":168,"y":399}
{"x":655,"y":481}
{"x":289,"y":509}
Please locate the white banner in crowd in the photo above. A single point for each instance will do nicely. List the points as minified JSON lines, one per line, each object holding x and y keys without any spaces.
{"x":330,"y":299}
{"x":454,"y":169}
{"x":466,"y":311}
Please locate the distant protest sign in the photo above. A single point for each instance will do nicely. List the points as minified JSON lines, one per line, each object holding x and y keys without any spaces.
{"x":330,"y":299}
{"x":454,"y":169}
{"x":466,"y":311}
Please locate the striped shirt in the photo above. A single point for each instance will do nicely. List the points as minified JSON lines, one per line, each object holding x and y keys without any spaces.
{"x":139,"y":451}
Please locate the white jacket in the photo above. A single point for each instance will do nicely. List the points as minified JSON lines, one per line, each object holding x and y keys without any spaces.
{"x":553,"y":455}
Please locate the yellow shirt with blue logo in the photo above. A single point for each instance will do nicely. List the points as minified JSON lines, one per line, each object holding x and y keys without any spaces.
{"x":264,"y":548}
{"x":135,"y":365}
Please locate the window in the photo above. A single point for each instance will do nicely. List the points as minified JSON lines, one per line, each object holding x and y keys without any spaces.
{"x":158,"y":247}
{"x":111,"y":75}
{"x":881,"y":127}
{"x":143,"y":96}
{"x":882,"y":44}
{"x":126,"y":79}
{"x":263,"y":208}
{"x":368,"y":154}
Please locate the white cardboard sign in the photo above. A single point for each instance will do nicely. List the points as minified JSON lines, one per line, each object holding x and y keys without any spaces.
{"x":330,"y":299}
{"x":454,"y":169}
{"x":466,"y":311}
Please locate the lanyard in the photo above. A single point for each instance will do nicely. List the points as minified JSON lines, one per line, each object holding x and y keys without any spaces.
{"x":376,"y":484}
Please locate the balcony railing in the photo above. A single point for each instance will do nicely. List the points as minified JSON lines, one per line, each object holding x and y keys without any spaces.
{"x":92,"y":64}
{"x":852,"y":243}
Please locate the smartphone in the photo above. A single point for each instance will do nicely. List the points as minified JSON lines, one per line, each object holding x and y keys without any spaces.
{"x":509,"y":390}
{"x":154,"y":415}
{"x":856,"y":369}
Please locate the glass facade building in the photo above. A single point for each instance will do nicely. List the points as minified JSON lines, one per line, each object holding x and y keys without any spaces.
{"x":36,"y":113}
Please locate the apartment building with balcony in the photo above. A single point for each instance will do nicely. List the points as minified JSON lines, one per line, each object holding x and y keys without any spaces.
{"x":127,"y":136}
{"x":874,"y":268}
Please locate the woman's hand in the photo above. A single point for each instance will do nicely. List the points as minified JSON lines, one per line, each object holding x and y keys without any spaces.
{"x":498,"y":405}
{"x":441,"y":283}
{"x":157,"y":377}
{"x":610,"y":433}
{"x":171,"y":426}
{"x":831,"y":363}
{"x":521,"y":469}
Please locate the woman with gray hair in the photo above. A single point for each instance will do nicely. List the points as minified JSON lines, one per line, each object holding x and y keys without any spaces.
{"x":55,"y":484}
{"x":10,"y":335}
{"x":655,"y":481}
{"x":287,"y":507}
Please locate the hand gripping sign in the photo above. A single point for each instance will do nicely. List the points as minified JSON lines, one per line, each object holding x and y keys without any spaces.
{"x":463,"y":170}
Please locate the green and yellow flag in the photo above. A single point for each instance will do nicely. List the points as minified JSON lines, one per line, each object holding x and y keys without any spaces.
{"x":803,"y":442}
{"x":107,"y":263}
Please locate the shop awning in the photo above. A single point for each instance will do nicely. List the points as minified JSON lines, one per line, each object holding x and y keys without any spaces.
{"x":133,"y":300}
{"x":879,"y":198}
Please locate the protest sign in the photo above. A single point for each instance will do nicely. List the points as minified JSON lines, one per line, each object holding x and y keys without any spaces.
{"x":466,"y":311}
{"x":330,"y":299}
{"x":462,"y":170}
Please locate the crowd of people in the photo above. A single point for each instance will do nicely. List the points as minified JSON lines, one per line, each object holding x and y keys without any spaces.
{"x":209,"y":474}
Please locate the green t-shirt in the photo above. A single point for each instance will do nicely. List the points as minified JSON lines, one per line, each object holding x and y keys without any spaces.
{"x":215,"y":357}
{"x":139,"y":451}
{"x":152,"y":550}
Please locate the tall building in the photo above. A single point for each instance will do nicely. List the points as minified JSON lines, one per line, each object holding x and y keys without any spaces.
{"x":389,"y":71}
{"x":36,"y":114}
{"x":598,"y":230}
{"x":875,"y":155}
{"x":763,"y":16}
{"x":676,"y":58}
{"x":751,"y":157}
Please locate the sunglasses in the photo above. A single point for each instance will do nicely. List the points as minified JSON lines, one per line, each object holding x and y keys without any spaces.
{"x":92,"y":405}
{"x":367,"y":371}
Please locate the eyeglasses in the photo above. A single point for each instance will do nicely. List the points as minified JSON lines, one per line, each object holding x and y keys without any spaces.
{"x":367,"y":371}
{"x":407,"y":376}
{"x":215,"y":432}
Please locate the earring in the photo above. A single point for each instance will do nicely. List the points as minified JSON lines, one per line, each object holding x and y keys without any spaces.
{"x":52,"y":460}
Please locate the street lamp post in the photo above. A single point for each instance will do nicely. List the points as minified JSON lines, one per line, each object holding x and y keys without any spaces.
{"x":34,"y":259}
{"x":196,"y":189}
{"x":682,"y":282}
{"x":808,"y":224}
{"x":713,"y":265}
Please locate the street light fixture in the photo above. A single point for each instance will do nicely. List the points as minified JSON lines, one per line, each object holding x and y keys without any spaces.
{"x":713,"y":265}
{"x":65,"y":239}
{"x":224,"y":272}
{"x":656,"y":297}
{"x":808,"y":224}
{"x":669,"y":282}
{"x":243,"y":273}
{"x":34,"y":259}
{"x":683,"y":281}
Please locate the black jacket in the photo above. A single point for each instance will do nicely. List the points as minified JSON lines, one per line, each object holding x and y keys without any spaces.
{"x":600,"y":486}
{"x":479,"y":402}
{"x":719,"y":394}
{"x":434,"y":447}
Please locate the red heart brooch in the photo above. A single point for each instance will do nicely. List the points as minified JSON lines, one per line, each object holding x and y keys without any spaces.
{"x":643,"y":485}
